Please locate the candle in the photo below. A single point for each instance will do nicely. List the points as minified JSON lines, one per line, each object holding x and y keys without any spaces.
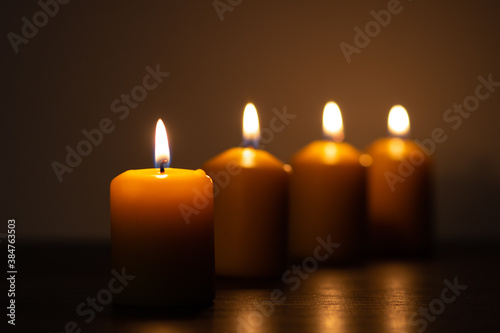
{"x":399,"y":194}
{"x":250,"y":207}
{"x":171,"y":258}
{"x":328,"y":194}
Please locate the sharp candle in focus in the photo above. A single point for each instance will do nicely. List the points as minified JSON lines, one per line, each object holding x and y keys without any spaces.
{"x":170,"y":253}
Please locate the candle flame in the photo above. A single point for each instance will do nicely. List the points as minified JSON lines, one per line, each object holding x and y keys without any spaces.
{"x":398,"y":121}
{"x":251,"y":131}
{"x":333,"y":127}
{"x":162,"y":150}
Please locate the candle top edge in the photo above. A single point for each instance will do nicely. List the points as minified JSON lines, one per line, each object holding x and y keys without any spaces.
{"x":169,"y":172}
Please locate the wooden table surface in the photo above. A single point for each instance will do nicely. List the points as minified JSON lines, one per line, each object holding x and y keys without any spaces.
{"x":376,"y":296}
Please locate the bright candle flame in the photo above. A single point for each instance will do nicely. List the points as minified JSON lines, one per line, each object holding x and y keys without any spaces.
{"x":251,"y":131}
{"x":162,"y":151}
{"x":332,"y":122}
{"x":398,"y":121}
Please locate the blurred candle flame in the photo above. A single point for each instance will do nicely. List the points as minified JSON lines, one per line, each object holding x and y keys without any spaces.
{"x":333,"y":128}
{"x":162,"y":150}
{"x":398,"y":121}
{"x":251,"y":130}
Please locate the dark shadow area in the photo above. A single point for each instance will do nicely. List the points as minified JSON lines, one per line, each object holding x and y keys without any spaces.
{"x":127,"y":312}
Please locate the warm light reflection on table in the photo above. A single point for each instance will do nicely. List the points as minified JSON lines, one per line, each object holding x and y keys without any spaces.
{"x":399,"y":283}
{"x":378,"y":295}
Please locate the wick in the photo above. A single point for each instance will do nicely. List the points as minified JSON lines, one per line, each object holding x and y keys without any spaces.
{"x":250,"y":144}
{"x":162,"y":166}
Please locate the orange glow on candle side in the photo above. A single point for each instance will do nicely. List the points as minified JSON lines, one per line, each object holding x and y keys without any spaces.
{"x":331,"y":152}
{"x":397,"y":148}
{"x":248,"y":157}
{"x":365,"y":160}
{"x":333,"y":127}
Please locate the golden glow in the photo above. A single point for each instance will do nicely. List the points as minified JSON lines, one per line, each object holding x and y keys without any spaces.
{"x":331,"y":153}
{"x":248,"y":157}
{"x":365,"y":160}
{"x":200,"y":172}
{"x":398,"y":121}
{"x":253,"y":321}
{"x":161,"y":176}
{"x":251,"y":131}
{"x":333,"y":127}
{"x":162,"y":151}
{"x":332,"y":317}
{"x":396,"y":281}
{"x":396,"y":148}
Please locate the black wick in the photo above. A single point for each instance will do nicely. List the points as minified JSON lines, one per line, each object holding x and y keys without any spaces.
{"x":162,"y":166}
{"x":250,"y":143}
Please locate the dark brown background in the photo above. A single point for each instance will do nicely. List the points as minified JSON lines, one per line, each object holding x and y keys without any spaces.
{"x":274,"y":53}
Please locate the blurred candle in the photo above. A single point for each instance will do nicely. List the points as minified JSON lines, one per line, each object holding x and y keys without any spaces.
{"x":250,"y":207}
{"x":170,"y":257}
{"x":399,"y":194}
{"x":328,"y":193}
